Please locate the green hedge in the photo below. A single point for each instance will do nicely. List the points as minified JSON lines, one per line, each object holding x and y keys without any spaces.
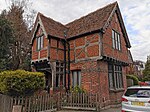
{"x":20,"y":82}
{"x":134,"y":78}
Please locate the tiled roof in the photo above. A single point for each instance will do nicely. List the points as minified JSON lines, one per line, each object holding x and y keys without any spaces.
{"x":93,"y":21}
{"x":52,"y":27}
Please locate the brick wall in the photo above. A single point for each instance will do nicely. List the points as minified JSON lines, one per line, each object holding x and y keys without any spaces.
{"x":56,"y":50}
{"x":94,"y":77}
{"x":107,"y":41}
{"x":85,"y":47}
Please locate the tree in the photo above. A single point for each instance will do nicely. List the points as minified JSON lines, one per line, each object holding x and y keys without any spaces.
{"x":6,"y":41}
{"x":146,"y":72}
{"x":21,"y":23}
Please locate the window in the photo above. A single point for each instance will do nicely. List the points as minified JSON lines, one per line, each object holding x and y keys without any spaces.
{"x":116,"y":40}
{"x":59,"y":74}
{"x":76,"y":78}
{"x":138,"y":92}
{"x":57,"y":80}
{"x":115,"y":76}
{"x":40,"y":42}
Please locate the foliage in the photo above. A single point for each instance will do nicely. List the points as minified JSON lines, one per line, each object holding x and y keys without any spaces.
{"x":77,"y":89}
{"x":6,"y":41}
{"x":20,"y":82}
{"x":134,"y":78}
{"x":21,"y":19}
{"x":146,"y":72}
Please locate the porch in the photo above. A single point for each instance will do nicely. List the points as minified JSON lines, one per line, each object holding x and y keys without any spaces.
{"x":54,"y":74}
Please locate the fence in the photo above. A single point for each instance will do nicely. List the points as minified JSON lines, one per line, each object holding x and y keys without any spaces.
{"x":46,"y":102}
{"x":36,"y":103}
{"x":84,"y":101}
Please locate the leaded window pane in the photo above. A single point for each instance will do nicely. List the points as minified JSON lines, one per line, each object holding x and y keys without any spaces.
{"x":79,"y":78}
{"x":115,"y":76}
{"x":76,"y":78}
{"x":113,"y":38}
{"x":41,"y":42}
{"x":119,"y":43}
{"x":38,"y":43}
{"x":116,"y":40}
{"x":111,"y":84}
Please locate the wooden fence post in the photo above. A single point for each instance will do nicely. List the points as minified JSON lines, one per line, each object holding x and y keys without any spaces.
{"x":17,"y":108}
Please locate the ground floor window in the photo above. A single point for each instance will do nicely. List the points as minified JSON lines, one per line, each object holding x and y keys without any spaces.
{"x":115,"y":76}
{"x":59,"y":74}
{"x":76,"y":78}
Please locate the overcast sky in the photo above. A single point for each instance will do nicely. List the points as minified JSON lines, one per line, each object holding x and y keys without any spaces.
{"x":136,"y":15}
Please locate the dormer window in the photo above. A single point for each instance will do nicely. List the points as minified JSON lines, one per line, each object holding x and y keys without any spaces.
{"x":40,"y":42}
{"x":116,"y":40}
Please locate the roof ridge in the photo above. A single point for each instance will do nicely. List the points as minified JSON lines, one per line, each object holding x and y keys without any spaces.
{"x":103,"y":7}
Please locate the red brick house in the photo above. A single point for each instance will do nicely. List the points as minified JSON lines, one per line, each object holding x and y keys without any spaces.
{"x":91,"y":52}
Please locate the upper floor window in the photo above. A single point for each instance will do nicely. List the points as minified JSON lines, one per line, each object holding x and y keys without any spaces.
{"x":116,"y":40}
{"x":40,"y":42}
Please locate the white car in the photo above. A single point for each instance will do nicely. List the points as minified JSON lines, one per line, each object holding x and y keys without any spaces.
{"x":136,"y":99}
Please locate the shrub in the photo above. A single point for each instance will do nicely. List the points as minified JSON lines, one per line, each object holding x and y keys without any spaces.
{"x":134,"y":78}
{"x":20,"y":82}
{"x":77,"y":89}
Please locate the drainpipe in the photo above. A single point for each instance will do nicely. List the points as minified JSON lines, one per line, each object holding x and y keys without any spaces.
{"x":68,"y":46}
{"x":68,"y":66}
{"x":65,"y":65}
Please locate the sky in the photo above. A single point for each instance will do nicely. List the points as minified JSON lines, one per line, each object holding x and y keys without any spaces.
{"x":136,"y":16}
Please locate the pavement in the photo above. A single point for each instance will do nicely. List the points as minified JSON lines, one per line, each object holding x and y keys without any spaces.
{"x":118,"y":109}
{"x":112,"y":110}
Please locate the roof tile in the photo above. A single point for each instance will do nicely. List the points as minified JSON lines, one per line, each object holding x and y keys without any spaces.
{"x":52,"y":27}
{"x":85,"y":24}
{"x":91,"y":22}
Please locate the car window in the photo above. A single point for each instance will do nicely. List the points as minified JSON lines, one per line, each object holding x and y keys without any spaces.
{"x":138,"y":92}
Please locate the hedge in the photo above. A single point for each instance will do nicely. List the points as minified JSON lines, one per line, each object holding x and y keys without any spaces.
{"x":134,"y":78}
{"x":20,"y":82}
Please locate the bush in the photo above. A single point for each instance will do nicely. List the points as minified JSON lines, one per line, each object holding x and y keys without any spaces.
{"x":77,"y":89}
{"x":134,"y":78}
{"x":20,"y":82}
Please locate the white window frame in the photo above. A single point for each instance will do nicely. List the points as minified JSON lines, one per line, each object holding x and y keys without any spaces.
{"x":76,"y":78}
{"x":40,"y":42}
{"x":116,"y":41}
